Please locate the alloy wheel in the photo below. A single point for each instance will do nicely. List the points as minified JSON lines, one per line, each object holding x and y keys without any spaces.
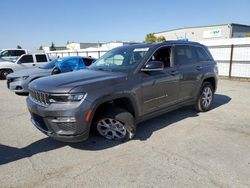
{"x":207,"y":97}
{"x":111,"y":129}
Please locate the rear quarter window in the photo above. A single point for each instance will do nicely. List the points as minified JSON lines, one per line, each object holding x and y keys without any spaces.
{"x":202,"y":55}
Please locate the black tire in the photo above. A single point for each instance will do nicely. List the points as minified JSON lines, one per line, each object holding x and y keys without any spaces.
{"x":119,"y":117}
{"x":4,"y":73}
{"x":204,"y":102}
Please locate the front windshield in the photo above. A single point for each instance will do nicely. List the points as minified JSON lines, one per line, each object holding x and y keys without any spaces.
{"x":121,"y":59}
{"x":50,"y":65}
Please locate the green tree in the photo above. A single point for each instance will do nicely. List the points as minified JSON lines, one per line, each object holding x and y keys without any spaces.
{"x":19,"y":47}
{"x":40,"y":48}
{"x":160,"y":39}
{"x":52,"y":47}
{"x":150,"y":37}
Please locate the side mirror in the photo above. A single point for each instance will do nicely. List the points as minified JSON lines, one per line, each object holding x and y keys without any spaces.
{"x":153,"y":66}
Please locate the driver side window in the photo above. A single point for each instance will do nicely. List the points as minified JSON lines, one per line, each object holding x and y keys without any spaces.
{"x":26,"y":59}
{"x":163,"y":55}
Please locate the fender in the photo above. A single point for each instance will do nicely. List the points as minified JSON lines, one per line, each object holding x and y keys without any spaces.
{"x":107,"y":98}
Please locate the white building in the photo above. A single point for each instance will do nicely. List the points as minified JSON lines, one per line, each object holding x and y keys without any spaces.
{"x":209,"y":32}
{"x":78,"y":46}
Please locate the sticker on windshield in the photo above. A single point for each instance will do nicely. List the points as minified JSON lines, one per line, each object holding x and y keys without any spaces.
{"x":141,"y":49}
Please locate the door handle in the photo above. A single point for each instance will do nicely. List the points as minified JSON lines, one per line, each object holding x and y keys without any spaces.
{"x":198,"y":68}
{"x":173,"y":73}
{"x":33,"y":64}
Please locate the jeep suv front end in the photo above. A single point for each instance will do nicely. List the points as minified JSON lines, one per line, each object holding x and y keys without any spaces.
{"x":60,"y":116}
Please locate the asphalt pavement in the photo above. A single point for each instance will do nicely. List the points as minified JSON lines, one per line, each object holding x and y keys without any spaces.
{"x":179,"y":149}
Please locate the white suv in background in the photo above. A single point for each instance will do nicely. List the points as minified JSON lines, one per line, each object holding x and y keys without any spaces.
{"x":11,"y":54}
{"x":24,"y":62}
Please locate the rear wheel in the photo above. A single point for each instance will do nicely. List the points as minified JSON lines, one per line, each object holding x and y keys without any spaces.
{"x":116,"y":124}
{"x":205,"y":98}
{"x":4,"y":73}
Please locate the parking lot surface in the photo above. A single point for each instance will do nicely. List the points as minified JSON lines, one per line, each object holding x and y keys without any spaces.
{"x":178,"y":149}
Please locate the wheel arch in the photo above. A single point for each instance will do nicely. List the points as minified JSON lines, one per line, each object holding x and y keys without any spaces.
{"x":123,"y":101}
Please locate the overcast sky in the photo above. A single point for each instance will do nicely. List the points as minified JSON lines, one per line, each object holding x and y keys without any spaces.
{"x":31,"y":23}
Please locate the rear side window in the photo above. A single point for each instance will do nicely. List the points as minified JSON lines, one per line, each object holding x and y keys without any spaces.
{"x":202,"y":54}
{"x":26,"y":59}
{"x":41,"y":58}
{"x":18,"y":52}
{"x":184,"y":55}
{"x":87,"y":61}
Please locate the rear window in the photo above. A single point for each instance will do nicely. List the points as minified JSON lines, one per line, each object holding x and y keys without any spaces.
{"x":41,"y":58}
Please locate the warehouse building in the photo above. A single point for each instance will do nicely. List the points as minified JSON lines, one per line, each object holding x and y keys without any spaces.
{"x":223,"y":31}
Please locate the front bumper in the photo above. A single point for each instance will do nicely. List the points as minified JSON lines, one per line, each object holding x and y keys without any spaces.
{"x":63,"y":122}
{"x":20,"y":86}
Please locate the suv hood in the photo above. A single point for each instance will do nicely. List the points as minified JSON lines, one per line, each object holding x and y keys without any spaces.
{"x":87,"y":79}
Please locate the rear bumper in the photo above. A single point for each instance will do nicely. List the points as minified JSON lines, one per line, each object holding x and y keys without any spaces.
{"x":63,"y":122}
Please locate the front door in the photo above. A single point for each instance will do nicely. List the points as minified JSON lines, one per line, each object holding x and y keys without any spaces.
{"x":26,"y":61}
{"x":160,"y":89}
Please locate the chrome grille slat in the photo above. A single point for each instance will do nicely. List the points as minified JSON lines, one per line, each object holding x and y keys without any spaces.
{"x":39,"y":97}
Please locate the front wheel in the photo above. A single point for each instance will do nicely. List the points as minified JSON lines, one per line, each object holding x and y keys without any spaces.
{"x":4,"y":73}
{"x":116,"y":124}
{"x":205,"y":99}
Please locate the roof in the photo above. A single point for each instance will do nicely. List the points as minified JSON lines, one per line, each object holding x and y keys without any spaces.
{"x":231,"y":24}
{"x":149,"y":45}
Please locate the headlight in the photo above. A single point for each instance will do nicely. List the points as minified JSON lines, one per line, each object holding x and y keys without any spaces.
{"x":62,"y":98}
{"x":21,"y":78}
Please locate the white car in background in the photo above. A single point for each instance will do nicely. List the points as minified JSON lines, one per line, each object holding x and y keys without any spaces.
{"x":24,"y":62}
{"x":11,"y":54}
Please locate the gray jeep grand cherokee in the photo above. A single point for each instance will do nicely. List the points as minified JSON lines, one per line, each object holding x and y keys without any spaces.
{"x":125,"y":86}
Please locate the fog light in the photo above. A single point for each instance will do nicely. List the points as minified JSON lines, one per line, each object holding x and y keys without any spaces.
{"x":64,"y":120}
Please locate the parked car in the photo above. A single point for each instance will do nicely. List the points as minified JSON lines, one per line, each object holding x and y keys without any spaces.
{"x":24,"y":62}
{"x":11,"y":54}
{"x":19,"y":80}
{"x":127,"y":85}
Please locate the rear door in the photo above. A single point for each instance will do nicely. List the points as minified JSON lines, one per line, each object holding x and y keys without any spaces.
{"x":186,"y":59}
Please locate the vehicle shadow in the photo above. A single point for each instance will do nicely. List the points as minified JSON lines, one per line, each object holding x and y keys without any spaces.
{"x":144,"y":131}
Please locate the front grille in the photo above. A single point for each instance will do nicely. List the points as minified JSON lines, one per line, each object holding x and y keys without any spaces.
{"x":39,"y":97}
